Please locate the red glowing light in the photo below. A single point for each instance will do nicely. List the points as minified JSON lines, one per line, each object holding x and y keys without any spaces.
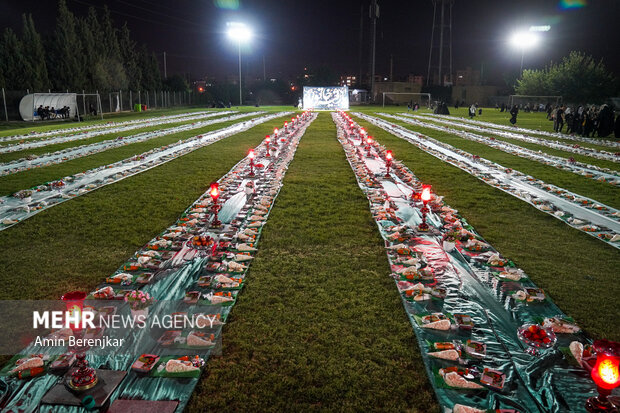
{"x":200,"y":89}
{"x":275,"y":131}
{"x":362,"y":131}
{"x":369,"y":139}
{"x":388,"y":155}
{"x":267,"y":138}
{"x":251,"y":154}
{"x":74,"y":301}
{"x":426,"y":193}
{"x":214,"y":191}
{"x":606,"y":371}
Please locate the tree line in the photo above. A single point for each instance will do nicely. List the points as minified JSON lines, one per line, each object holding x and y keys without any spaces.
{"x":82,"y":53}
{"x":578,"y":78}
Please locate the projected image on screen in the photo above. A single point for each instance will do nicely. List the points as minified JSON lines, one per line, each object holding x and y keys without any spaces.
{"x":326,"y":98}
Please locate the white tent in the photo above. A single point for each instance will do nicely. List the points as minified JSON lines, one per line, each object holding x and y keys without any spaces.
{"x":29,"y":103}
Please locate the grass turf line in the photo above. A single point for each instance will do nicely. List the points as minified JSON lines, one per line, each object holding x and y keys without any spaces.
{"x":535,"y":121}
{"x":75,"y":245}
{"x":319,"y":325}
{"x":578,"y":272}
{"x":600,"y":191}
{"x":545,"y":149}
{"x":11,"y":156}
{"x":26,"y":179}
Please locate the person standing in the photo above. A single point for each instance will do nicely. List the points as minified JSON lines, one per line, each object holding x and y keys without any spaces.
{"x":513,"y":113}
{"x":558,"y":121}
{"x":472,"y":111}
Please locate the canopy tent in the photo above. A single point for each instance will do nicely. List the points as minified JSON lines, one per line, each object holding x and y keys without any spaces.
{"x":29,"y":104}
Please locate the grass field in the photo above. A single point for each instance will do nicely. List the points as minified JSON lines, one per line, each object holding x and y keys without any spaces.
{"x":320,"y":325}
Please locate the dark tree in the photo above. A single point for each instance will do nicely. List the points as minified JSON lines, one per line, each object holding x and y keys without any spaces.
{"x":65,"y":64}
{"x":151,"y":77}
{"x":34,"y":55}
{"x":13,"y":61}
{"x":130,"y":58}
{"x":578,"y":79}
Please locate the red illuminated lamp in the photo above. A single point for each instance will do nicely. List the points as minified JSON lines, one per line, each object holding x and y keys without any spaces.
{"x":606,"y":375}
{"x":425,"y":196}
{"x":285,"y":126}
{"x":84,"y":377}
{"x":368,"y":144}
{"x":74,"y":301}
{"x":214,"y":191}
{"x":275,"y":132}
{"x":388,"y":163}
{"x":251,"y":155}
{"x":267,"y":141}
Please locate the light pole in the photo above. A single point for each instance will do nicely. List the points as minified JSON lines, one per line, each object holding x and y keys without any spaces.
{"x":523,"y":41}
{"x":241,"y":33}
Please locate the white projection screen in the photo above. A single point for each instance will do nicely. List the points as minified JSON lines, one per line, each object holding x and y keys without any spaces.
{"x":326,"y":98}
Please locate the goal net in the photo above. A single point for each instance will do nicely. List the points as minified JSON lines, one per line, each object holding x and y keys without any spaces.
{"x":533,"y":103}
{"x":404,"y":98}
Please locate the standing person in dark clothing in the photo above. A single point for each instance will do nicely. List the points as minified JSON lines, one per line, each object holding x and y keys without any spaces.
{"x":513,"y":113}
{"x":617,"y":127}
{"x":549,"y":110}
{"x":558,"y":121}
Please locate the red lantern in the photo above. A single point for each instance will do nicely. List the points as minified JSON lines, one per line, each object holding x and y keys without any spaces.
{"x":426,"y":193}
{"x":214,"y":191}
{"x":215,"y":194}
{"x":368,"y":143}
{"x":388,"y":163}
{"x":275,"y":132}
{"x":267,"y":141}
{"x":251,"y":155}
{"x":425,"y":196}
{"x":606,"y":375}
{"x":606,"y":371}
{"x":74,"y":301}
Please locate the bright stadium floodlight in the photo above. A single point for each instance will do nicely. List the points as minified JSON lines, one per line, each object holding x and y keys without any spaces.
{"x":240,"y":33}
{"x":524,"y":41}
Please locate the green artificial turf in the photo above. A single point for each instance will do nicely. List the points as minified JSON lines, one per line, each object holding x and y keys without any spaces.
{"x":319,"y":325}
{"x":600,"y":191}
{"x":578,"y":272}
{"x":26,"y":179}
{"x":77,"y":244}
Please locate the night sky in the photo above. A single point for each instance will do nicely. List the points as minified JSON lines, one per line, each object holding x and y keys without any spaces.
{"x":294,"y":34}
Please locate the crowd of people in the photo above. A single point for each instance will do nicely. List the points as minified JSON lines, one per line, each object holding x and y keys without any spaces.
{"x":589,"y":121}
{"x":583,"y":120}
{"x":47,"y":113}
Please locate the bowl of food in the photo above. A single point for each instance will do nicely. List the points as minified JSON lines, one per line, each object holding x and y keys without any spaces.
{"x":535,"y":337}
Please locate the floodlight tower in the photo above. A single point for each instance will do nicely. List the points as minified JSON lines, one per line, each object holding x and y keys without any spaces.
{"x":240,"y":33}
{"x":444,"y":42}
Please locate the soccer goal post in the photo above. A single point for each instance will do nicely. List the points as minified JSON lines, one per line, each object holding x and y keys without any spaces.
{"x":533,"y":100}
{"x":399,"y":98}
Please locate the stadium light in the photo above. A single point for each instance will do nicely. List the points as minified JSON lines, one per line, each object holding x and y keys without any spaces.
{"x":524,"y":41}
{"x":240,"y":33}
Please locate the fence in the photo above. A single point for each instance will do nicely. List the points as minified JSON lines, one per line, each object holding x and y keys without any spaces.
{"x":113,"y":101}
